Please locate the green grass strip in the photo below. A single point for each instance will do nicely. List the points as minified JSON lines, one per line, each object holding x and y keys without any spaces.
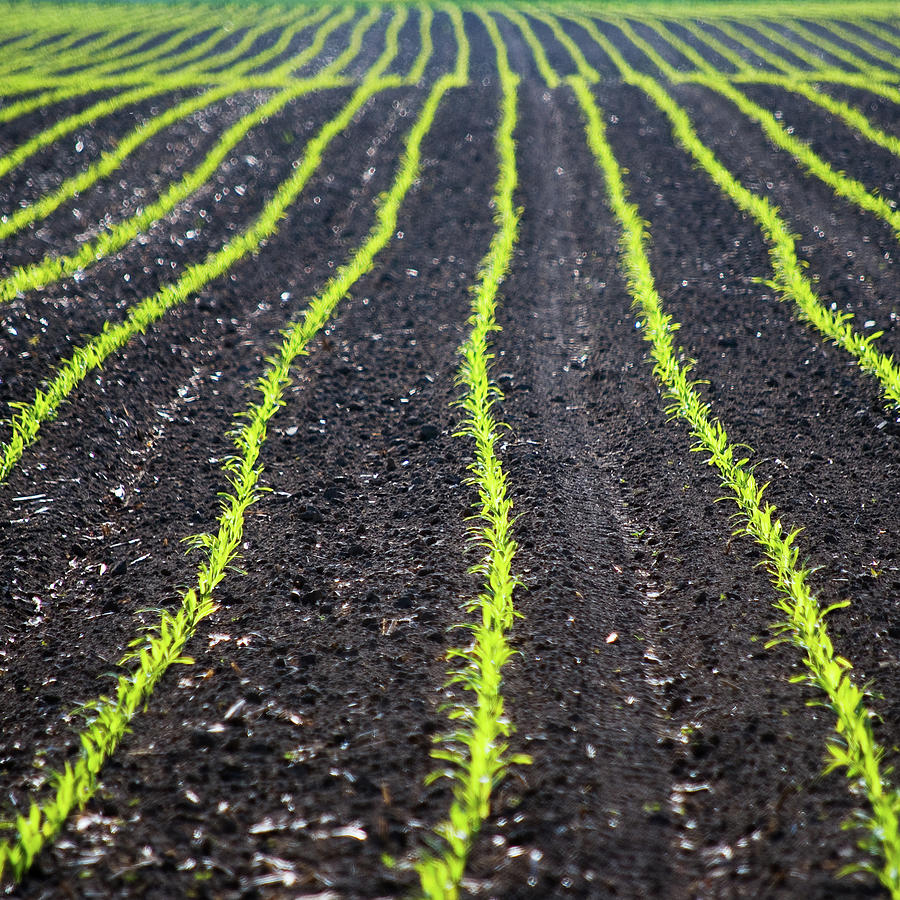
{"x":851,"y":116}
{"x":848,"y":114}
{"x":110,"y":105}
{"x":67,"y":125}
{"x":783,"y":43}
{"x":164,"y":52}
{"x":819,"y":69}
{"x":664,"y":66}
{"x":113,"y":159}
{"x":51,"y":269}
{"x":197,"y":56}
{"x":859,"y":39}
{"x":110,"y":160}
{"x":426,"y":45}
{"x":686,"y":50}
{"x":33,"y":65}
{"x":844,"y":186}
{"x":164,"y":645}
{"x":44,"y":98}
{"x":835,"y":49}
{"x":475,"y":756}
{"x":850,"y":79}
{"x":585,"y":69}
{"x":230,"y":63}
{"x":873,"y":29}
{"x":720,"y":47}
{"x":741,"y":37}
{"x":61,"y":52}
{"x":93,"y":67}
{"x":38,"y":59}
{"x":28,"y":417}
{"x":789,"y":281}
{"x":185,"y":75}
{"x":853,"y":747}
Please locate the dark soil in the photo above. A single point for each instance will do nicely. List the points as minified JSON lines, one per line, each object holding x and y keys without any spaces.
{"x":671,"y":755}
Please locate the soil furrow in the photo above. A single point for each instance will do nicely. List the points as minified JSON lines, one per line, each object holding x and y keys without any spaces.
{"x":837,"y":143}
{"x":579,"y":702}
{"x":44,"y":326}
{"x":45,"y":170}
{"x":671,"y":754}
{"x":725,"y":38}
{"x":704,"y":49}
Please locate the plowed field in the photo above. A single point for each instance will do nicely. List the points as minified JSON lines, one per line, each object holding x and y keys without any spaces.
{"x":402,"y":391}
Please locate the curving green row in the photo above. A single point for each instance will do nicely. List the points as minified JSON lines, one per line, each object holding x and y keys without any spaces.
{"x":112,"y":159}
{"x":29,"y":417}
{"x":848,"y":114}
{"x":475,"y":755}
{"x":53,"y":268}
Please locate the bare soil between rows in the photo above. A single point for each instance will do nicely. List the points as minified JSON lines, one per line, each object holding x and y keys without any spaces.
{"x":671,"y":755}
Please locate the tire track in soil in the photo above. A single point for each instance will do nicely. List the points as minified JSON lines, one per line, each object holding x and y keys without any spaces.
{"x":758,"y":823}
{"x":569,"y":823}
{"x":352,"y":581}
{"x":842,"y":243}
{"x":209,"y":349}
{"x":521,"y":59}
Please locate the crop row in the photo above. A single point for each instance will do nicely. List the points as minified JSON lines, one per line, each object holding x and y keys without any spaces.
{"x":476,"y":752}
{"x":162,"y":646}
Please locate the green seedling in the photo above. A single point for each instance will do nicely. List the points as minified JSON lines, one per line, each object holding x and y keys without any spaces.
{"x":28,"y":418}
{"x":475,"y":756}
{"x":54,"y":268}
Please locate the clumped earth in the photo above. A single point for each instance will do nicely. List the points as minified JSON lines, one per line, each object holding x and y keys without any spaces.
{"x":671,"y":755}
